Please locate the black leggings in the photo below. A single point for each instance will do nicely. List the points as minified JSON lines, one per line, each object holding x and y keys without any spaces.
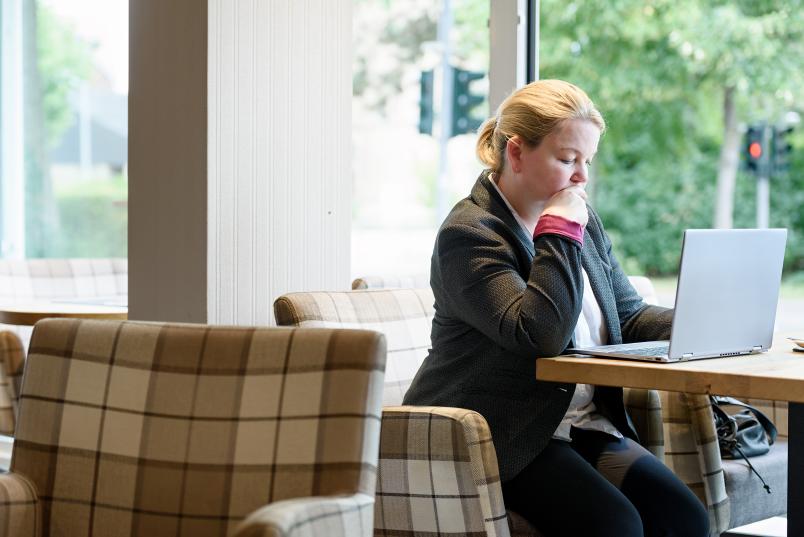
{"x":601,"y":486}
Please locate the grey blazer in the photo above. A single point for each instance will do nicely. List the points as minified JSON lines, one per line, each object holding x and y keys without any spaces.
{"x":503,"y":300}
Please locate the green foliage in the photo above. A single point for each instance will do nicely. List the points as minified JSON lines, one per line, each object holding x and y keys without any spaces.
{"x":94,"y":220}
{"x":390,"y":37}
{"x":471,"y":34}
{"x":64,"y":61}
{"x":658,"y":71}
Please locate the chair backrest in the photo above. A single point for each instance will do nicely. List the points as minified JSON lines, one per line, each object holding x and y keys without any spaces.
{"x":12,"y":357}
{"x":38,"y":279}
{"x":403,"y":315}
{"x":413,"y":281}
{"x":168,"y":429}
{"x":644,"y":287}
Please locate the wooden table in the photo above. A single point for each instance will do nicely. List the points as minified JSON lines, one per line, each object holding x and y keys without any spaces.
{"x":776,"y":375}
{"x":29,"y":314}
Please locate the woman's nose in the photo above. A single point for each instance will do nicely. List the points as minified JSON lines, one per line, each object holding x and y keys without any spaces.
{"x":581,"y":174}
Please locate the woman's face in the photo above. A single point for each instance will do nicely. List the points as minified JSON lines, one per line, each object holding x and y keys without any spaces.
{"x":561,"y":160}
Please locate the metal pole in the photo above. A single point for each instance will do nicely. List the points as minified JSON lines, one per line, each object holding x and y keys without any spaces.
{"x":445,"y":132}
{"x":763,"y":201}
{"x":763,"y":181}
{"x":533,"y":40}
{"x":795,"y":470}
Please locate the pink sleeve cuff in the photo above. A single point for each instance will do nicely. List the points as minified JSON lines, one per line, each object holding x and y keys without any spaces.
{"x":550,"y":223}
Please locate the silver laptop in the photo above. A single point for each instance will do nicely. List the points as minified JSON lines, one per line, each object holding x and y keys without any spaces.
{"x":728,"y":288}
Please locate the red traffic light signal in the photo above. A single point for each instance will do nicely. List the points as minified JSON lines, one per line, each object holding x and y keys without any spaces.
{"x":756,"y":154}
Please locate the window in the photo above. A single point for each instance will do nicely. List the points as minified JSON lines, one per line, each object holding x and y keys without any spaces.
{"x":409,"y":172}
{"x":680,"y":84}
{"x":64,"y":114}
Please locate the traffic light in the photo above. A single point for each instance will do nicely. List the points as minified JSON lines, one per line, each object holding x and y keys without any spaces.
{"x":426,"y":103}
{"x":464,"y":101}
{"x":780,"y":161}
{"x":755,"y":149}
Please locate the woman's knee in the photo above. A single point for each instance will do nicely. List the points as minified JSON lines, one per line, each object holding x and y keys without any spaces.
{"x":613,"y":515}
{"x":685,"y":516}
{"x":611,"y":521}
{"x":668,"y":507}
{"x":690,"y":520}
{"x":625,"y":522}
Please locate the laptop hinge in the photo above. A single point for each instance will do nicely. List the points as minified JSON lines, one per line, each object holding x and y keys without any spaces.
{"x":756,"y":348}
{"x":686,"y":356}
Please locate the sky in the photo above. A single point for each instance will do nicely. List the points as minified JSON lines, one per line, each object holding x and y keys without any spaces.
{"x":104,"y":22}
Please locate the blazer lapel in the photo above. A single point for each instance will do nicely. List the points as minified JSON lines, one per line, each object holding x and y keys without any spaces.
{"x":599,"y":280}
{"x":487,"y":197}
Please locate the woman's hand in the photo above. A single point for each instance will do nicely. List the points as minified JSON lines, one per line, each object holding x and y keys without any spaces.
{"x":569,"y":204}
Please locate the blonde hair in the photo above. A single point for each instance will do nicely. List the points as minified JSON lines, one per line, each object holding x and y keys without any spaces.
{"x":532,"y":112}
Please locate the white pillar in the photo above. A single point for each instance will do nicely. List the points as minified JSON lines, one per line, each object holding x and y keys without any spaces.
{"x":239,"y":156}
{"x":12,"y":153}
{"x":508,"y":42}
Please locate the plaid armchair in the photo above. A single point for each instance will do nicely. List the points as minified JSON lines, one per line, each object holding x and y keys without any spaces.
{"x":156,"y":429}
{"x":31,"y":280}
{"x":732,"y":494}
{"x":38,"y":279}
{"x":438,"y":471}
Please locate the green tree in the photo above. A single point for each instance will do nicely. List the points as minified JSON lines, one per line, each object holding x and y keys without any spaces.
{"x":753,"y":60}
{"x":391,"y":38}
{"x":675,"y":79}
{"x":54,"y":62}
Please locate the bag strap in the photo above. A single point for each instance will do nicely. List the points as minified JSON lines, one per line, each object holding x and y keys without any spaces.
{"x":767,"y":424}
{"x":740,"y":451}
{"x":724,"y":417}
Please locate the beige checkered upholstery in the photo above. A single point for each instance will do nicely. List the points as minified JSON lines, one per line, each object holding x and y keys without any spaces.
{"x":438,"y":471}
{"x":151,"y":429}
{"x":645,"y":409}
{"x":690,"y":441}
{"x":25,"y":281}
{"x":692,"y":452}
{"x":37,"y":279}
{"x":11,"y":365}
{"x":31,"y":280}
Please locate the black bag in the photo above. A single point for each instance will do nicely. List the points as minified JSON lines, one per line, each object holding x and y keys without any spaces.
{"x":746,"y":434}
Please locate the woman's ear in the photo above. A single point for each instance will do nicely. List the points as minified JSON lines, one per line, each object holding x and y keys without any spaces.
{"x":513,"y":153}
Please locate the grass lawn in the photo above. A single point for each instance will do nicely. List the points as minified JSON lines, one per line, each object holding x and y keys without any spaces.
{"x":792,"y":285}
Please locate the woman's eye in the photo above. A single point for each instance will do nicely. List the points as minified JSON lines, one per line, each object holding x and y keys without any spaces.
{"x":567,"y":161}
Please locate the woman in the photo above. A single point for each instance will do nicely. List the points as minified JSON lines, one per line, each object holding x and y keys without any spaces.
{"x":522,"y":269}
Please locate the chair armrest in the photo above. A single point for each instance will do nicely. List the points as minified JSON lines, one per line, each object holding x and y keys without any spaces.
{"x":645,"y":409}
{"x":692,"y":452}
{"x":442,"y":461}
{"x":336,"y":516}
{"x":20,"y":511}
{"x":12,"y":361}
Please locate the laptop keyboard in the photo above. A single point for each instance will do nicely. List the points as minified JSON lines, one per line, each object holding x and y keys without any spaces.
{"x":643,"y":351}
